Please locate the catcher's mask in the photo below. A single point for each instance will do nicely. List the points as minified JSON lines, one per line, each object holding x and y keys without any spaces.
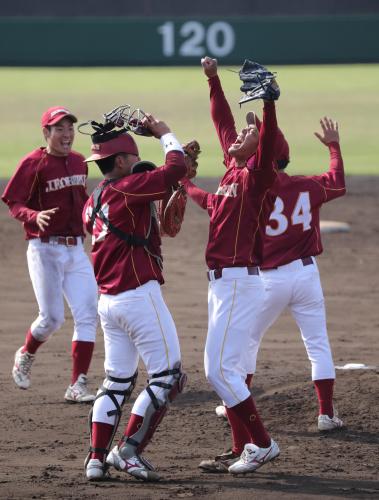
{"x":112,"y":137}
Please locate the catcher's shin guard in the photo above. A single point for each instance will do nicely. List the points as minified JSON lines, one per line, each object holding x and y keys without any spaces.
{"x":103,"y":391}
{"x":173,"y":382}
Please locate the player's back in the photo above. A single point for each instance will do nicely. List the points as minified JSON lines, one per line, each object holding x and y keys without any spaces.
{"x":119,"y":265}
{"x":293,"y":228}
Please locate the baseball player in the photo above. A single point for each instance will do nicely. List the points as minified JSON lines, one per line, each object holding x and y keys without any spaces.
{"x":236,"y":291}
{"x":291,"y":277}
{"x":47,"y":194}
{"x":121,"y":216}
{"x":290,"y":272}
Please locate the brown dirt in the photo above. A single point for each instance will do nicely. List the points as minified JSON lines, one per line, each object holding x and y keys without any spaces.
{"x":44,"y":440}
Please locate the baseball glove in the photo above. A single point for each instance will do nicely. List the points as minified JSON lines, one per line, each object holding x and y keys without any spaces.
{"x":171,"y":209}
{"x":258,"y":83}
{"x":191,"y":154}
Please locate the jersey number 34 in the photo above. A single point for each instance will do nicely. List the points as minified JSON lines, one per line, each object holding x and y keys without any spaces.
{"x":301,"y":214}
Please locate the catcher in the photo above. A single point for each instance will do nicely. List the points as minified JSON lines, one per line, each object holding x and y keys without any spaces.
{"x":121,"y":216}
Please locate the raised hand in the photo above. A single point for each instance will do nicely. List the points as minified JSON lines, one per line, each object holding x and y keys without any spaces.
{"x":209,"y":66}
{"x":156,"y":127}
{"x":329,"y":131}
{"x":251,"y":118}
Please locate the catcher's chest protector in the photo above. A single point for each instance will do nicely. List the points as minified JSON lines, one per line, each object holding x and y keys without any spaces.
{"x":130,"y":239}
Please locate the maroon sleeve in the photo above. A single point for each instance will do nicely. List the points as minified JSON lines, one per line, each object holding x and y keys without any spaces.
{"x":264,"y":157}
{"x":150,"y":186}
{"x":85,"y":217}
{"x":222,"y":116}
{"x":174,"y":168}
{"x":86,"y":186}
{"x":198,"y":195}
{"x":281,"y":150}
{"x":332,"y":183}
{"x":20,"y":190}
{"x":22,"y":213}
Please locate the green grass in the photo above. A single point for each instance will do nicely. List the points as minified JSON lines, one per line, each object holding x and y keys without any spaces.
{"x":179,"y":96}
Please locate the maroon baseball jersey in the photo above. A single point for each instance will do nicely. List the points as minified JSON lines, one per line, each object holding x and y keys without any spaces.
{"x":44,"y":181}
{"x":293,"y":229}
{"x":235,"y":209}
{"x":126,"y":203}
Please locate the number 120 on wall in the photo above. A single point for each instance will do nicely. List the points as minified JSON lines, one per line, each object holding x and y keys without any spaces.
{"x":193,"y":39}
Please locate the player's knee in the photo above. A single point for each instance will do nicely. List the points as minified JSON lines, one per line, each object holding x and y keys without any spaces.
{"x":111,"y":397}
{"x":86,"y":315}
{"x":45,"y":327}
{"x":85,"y":330}
{"x":55,"y":322}
{"x":213,"y":375}
{"x":166,"y":385}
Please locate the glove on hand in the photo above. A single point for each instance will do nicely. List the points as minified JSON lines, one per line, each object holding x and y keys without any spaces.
{"x":258,"y":83}
{"x":191,"y":154}
{"x":171,"y":209}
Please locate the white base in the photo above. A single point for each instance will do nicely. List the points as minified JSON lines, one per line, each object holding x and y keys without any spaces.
{"x":333,"y":226}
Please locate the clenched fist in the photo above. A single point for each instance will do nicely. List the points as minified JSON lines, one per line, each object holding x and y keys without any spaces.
{"x":209,"y":66}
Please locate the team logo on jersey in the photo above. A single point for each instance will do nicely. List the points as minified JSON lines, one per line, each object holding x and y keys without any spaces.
{"x":63,"y":182}
{"x":228,"y":190}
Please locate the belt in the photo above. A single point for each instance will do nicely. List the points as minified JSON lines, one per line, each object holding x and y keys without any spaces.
{"x":216,"y":274}
{"x":68,"y":241}
{"x":307,"y":261}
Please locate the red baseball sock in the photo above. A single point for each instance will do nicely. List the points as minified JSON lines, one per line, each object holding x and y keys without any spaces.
{"x":135,"y":422}
{"x":249,"y":380}
{"x":248,"y":416}
{"x":81,"y":358}
{"x":101,"y":435}
{"x":240,"y":434}
{"x":324,"y":391}
{"x":31,"y":344}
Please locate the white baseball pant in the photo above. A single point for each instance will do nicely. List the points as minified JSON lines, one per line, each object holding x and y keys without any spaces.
{"x":298,"y":287}
{"x":59,"y":272}
{"x":136,"y":323}
{"x":233,"y":303}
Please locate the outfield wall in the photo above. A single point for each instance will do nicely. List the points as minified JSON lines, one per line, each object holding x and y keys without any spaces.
{"x":193,"y":8}
{"x":121,"y":41}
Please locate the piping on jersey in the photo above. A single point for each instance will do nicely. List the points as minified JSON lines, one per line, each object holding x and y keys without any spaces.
{"x":131,"y":212}
{"x":327,"y":188}
{"x":138,"y":194}
{"x":259,"y":216}
{"x":152,"y":267}
{"x":239,"y":219}
{"x":134,"y":268}
{"x":318,"y":239}
{"x":36,"y":180}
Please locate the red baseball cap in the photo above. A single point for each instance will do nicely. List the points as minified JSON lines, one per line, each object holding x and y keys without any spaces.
{"x":55,"y":114}
{"x":123,"y":143}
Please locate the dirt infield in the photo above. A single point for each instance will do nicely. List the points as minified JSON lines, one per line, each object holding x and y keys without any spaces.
{"x":44,"y":440}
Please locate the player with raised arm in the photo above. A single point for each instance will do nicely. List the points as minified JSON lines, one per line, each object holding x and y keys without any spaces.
{"x":290,"y":272}
{"x":233,"y":255}
{"x":122,"y":218}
